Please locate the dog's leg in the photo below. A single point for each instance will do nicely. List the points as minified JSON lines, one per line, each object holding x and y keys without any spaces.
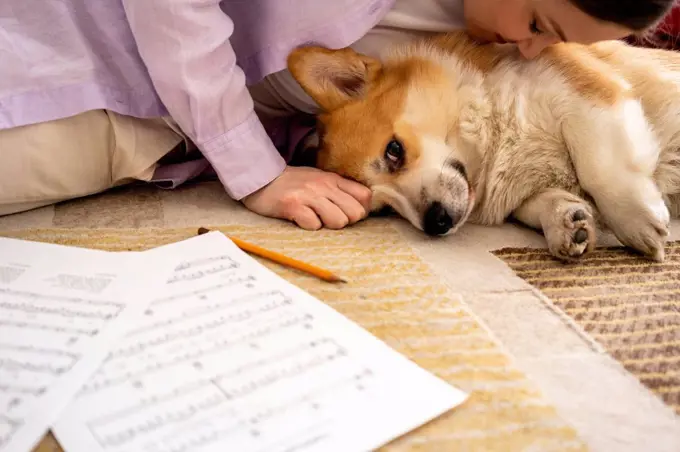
{"x":615,"y":154}
{"x":565,"y":219}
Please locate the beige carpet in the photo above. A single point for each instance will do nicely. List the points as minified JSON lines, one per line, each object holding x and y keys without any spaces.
{"x":629,"y":305}
{"x":541,"y":383}
{"x":395,"y":296}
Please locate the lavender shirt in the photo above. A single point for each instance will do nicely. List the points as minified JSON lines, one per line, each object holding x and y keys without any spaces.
{"x":189,"y":58}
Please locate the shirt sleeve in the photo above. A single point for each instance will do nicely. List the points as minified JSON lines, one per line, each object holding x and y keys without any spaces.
{"x":185,"y":47}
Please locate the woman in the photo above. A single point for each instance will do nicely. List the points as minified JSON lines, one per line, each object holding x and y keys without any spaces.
{"x":97,"y":94}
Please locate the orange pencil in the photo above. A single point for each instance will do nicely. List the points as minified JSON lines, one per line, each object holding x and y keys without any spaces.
{"x":282,"y":259}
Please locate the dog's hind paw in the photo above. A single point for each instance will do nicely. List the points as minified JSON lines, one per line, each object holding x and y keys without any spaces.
{"x":571,"y":233}
{"x":643,"y":228}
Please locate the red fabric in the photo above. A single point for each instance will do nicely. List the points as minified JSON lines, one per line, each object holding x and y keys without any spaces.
{"x":671,"y":24}
{"x":667,"y":34}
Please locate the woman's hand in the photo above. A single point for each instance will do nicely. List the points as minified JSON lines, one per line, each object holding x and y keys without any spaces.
{"x":312,"y":198}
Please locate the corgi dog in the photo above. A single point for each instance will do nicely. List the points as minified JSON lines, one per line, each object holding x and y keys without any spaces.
{"x":446,"y":131}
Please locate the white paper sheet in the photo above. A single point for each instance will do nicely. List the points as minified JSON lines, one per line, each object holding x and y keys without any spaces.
{"x":234,"y":358}
{"x":60,"y":308}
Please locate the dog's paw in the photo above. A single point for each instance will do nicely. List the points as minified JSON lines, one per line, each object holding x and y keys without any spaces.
{"x":570,"y":231}
{"x":641,"y":226}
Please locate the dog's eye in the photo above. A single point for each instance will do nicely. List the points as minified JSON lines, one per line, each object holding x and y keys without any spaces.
{"x":394,"y":154}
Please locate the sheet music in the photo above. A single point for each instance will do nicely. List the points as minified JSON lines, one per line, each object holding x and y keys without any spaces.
{"x":234,"y":358}
{"x":59,"y":309}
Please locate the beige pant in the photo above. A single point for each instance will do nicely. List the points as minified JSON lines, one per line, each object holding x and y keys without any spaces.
{"x":68,"y":158}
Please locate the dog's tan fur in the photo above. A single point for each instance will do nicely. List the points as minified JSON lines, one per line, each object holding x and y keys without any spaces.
{"x":578,"y":134}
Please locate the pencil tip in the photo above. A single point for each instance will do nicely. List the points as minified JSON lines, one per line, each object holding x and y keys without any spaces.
{"x":341,"y":280}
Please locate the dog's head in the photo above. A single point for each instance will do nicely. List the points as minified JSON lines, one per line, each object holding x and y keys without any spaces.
{"x":394,"y":126}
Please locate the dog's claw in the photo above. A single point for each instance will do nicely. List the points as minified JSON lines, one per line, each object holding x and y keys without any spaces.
{"x":656,"y":251}
{"x":659,"y":255}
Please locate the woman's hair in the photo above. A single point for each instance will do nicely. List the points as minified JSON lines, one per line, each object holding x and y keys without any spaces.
{"x":636,"y":15}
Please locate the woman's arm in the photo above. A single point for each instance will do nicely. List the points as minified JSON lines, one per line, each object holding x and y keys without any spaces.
{"x":185,"y":46}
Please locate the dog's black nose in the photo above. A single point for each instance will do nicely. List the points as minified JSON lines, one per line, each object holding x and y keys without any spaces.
{"x":437,"y":220}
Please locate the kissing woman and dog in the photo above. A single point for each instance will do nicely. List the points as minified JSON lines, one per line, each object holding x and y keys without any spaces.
{"x":441,"y":129}
{"x":446,"y":131}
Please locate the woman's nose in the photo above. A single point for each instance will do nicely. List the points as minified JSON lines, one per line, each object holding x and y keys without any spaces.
{"x":532,"y":47}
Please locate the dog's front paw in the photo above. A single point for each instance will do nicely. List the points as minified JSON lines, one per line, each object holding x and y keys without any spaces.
{"x":643,"y":227}
{"x":570,"y":230}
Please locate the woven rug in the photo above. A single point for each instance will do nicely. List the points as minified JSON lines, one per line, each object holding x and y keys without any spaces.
{"x":395,"y":296}
{"x":629,"y":305}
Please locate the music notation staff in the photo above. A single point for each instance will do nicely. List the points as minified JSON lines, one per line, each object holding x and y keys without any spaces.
{"x":59,"y":307}
{"x":231,"y":357}
{"x":162,"y":350}
{"x":39,"y":341}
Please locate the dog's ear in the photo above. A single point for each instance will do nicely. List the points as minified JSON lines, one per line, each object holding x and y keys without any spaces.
{"x":332,"y":77}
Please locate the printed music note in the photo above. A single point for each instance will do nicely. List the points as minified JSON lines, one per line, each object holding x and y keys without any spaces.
{"x":231,"y":357}
{"x":60,"y":309}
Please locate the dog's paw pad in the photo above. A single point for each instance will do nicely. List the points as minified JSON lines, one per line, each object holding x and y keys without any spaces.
{"x":571,"y":231}
{"x":578,"y":215}
{"x":580,"y":236}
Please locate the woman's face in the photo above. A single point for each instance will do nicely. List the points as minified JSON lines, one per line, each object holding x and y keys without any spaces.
{"x":535,"y":24}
